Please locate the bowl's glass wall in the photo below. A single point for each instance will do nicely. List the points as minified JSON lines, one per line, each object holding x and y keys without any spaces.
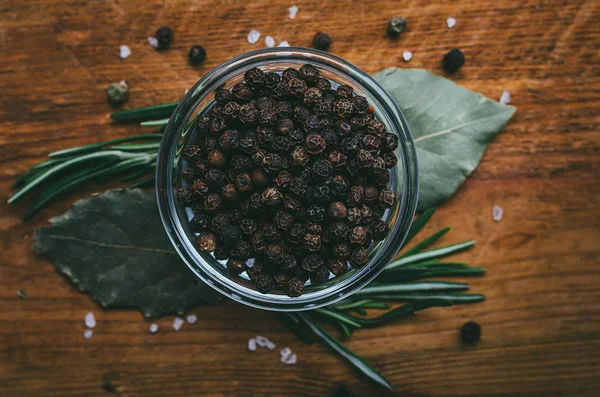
{"x":180,"y":131}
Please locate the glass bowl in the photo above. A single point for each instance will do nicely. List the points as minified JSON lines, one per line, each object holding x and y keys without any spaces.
{"x":180,"y":129}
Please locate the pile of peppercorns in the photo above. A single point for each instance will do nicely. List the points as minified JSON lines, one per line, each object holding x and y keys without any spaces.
{"x":287,"y":178}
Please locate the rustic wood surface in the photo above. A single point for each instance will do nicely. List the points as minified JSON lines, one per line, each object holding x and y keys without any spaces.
{"x":541,"y":322}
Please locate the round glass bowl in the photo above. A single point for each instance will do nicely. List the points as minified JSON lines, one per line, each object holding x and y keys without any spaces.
{"x":181,"y":130}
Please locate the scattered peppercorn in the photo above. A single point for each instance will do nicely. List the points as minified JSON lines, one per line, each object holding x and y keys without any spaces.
{"x":322,"y":41}
{"x":395,"y":26}
{"x":453,"y":60}
{"x":197,"y":54}
{"x":288,"y":172}
{"x":470,"y":332}
{"x":117,"y":93}
{"x":164,"y":36}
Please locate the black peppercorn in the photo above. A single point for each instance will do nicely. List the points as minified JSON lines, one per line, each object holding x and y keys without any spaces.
{"x":331,"y":139}
{"x":199,"y":188}
{"x":364,"y":158}
{"x":241,"y":93}
{"x":359,"y":258}
{"x":281,"y":278}
{"x":312,"y":242}
{"x":296,"y":87}
{"x":315,"y":213}
{"x":200,"y":222}
{"x":164,"y":36}
{"x":337,"y":210}
{"x":241,"y":249}
{"x":288,"y":74}
{"x":283,"y":220}
{"x":221,"y":253}
{"x":301,"y":113}
{"x":339,"y":186}
{"x":217,"y":111}
{"x":216,"y":125}
{"x":281,"y":144}
{"x":322,"y":169}
{"x":248,"y":226}
{"x":359,"y":236}
{"x":255,"y":270}
{"x":470,"y":332}
{"x":390,"y":160}
{"x":255,"y":78}
{"x":323,"y":84}
{"x":271,"y":163}
{"x":341,"y":250}
{"x":214,"y":177}
{"x":315,"y":144}
{"x":338,"y":266}
{"x":312,"y":262}
{"x":313,"y":227}
{"x":229,"y":193}
{"x":222,"y":96}
{"x":288,"y":263}
{"x":235,"y":266}
{"x":294,"y":287}
{"x":308,"y":73}
{"x":360,"y":105}
{"x":319,"y":276}
{"x":379,"y":229}
{"x":376,"y":128}
{"x":453,"y":60}
{"x":264,"y":283}
{"x":216,"y":159}
{"x":243,"y":183}
{"x":264,"y":136}
{"x":267,"y":117}
{"x":273,"y":253}
{"x":284,"y":126}
{"x":271,"y":197}
{"x":299,"y":157}
{"x":371,"y":143}
{"x":231,"y":110}
{"x":297,"y":233}
{"x":344,"y":91}
{"x":313,"y":96}
{"x":389,"y":142}
{"x":321,"y":194}
{"x":202,"y":124}
{"x":322,"y":41}
{"x":258,"y":243}
{"x":387,"y":197}
{"x":359,"y":124}
{"x":192,"y":153}
{"x":207,"y":242}
{"x":355,"y":195}
{"x":371,"y":194}
{"x":230,"y":234}
{"x":383,"y":178}
{"x":354,"y":216}
{"x":338,"y":231}
{"x":213,"y":202}
{"x":228,"y":141}
{"x":395,"y":26}
{"x":271,"y":79}
{"x":248,"y":115}
{"x":259,"y":178}
{"x":197,"y":54}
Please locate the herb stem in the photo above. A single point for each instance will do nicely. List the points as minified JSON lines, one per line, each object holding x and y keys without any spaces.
{"x":146,"y":113}
{"x":345,"y":353}
{"x":424,"y":286}
{"x":340,"y":317}
{"x":95,"y":146}
{"x":435,"y":253}
{"x":426,"y":243}
{"x":402,"y":311}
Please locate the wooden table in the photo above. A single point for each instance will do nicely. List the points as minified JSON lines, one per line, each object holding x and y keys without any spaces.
{"x":541,"y":322}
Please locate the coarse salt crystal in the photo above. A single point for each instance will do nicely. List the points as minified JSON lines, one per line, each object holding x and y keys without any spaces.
{"x":497,"y":213}
{"x":451,"y":22}
{"x":90,"y":320}
{"x":87,"y":334}
{"x":285,"y":353}
{"x":291,"y":359}
{"x":252,"y":345}
{"x":153,"y":42}
{"x":293,"y":10}
{"x":124,"y":51}
{"x":191,"y":318}
{"x":153,"y":328}
{"x":253,"y":36}
{"x":262,"y":341}
{"x":250,"y":262}
{"x":284,"y":44}
{"x":269,"y":41}
{"x":270,"y":345}
{"x":505,"y":98}
{"x":407,"y":55}
{"x":177,"y":323}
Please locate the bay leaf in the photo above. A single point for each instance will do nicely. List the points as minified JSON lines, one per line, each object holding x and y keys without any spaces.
{"x":451,"y":126}
{"x":113,"y":245}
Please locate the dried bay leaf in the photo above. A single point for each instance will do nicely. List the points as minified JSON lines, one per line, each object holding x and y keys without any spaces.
{"x":113,"y":245}
{"x":451,"y":127}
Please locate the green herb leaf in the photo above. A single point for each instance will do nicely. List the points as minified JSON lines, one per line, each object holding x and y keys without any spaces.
{"x":291,"y":321}
{"x":431,"y":254}
{"x":455,"y":298}
{"x":423,"y":286}
{"x":400,"y":312}
{"x":426,"y":243}
{"x":450,"y":124}
{"x":345,"y":353}
{"x":113,"y":246}
{"x":418,"y":223}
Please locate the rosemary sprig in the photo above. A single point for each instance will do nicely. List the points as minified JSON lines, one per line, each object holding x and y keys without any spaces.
{"x":146,"y":113}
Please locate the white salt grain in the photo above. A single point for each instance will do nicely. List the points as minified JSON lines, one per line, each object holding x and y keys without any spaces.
{"x":270,"y":345}
{"x":269,"y":41}
{"x":252,"y":345}
{"x":87,"y":334}
{"x":284,"y":44}
{"x":407,"y":55}
{"x":153,"y":42}
{"x":505,"y":98}
{"x":177,"y":323}
{"x":250,"y":262}
{"x":497,"y":213}
{"x":285,"y":353}
{"x":90,"y":320}
{"x":262,"y":341}
{"x":291,"y":359}
{"x":191,"y":318}
{"x":293,"y":10}
{"x":451,"y":22}
{"x":253,"y":36}
{"x":153,"y":328}
{"x":124,"y":51}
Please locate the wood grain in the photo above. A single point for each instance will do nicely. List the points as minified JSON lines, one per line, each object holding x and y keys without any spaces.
{"x":541,"y":322}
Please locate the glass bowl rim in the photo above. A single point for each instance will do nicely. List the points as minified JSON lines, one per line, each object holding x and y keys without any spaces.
{"x":228,"y":286}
